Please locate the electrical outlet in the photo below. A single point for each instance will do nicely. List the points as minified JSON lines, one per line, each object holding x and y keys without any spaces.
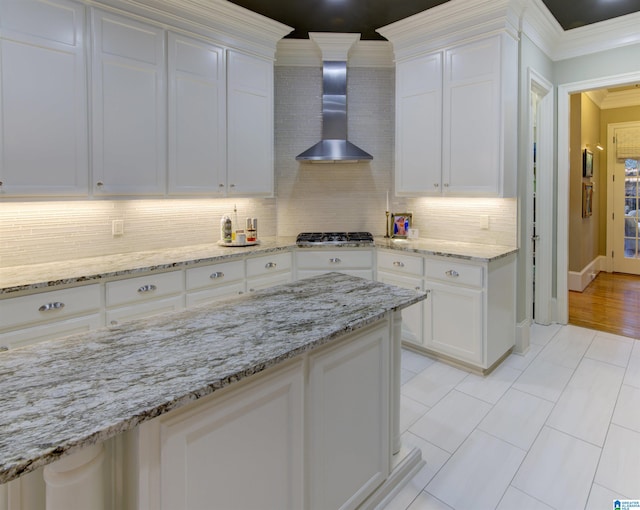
{"x":484,"y":222}
{"x":117,"y":228}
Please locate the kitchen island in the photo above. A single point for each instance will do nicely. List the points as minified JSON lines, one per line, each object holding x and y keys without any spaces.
{"x":317,"y":343}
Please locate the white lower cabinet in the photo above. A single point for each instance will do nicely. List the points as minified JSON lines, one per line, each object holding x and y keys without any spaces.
{"x":44,"y":316}
{"x":212,"y":282}
{"x":269,"y":270}
{"x":314,"y":433}
{"x":240,"y":450}
{"x":469,"y":314}
{"x":404,"y":271}
{"x":136,"y":298}
{"x":453,"y":322}
{"x":349,"y":427}
{"x":351,"y":261}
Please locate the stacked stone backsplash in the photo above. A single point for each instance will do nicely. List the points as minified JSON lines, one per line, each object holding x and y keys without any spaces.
{"x":37,"y":232}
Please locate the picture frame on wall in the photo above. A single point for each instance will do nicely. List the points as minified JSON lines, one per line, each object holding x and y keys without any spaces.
{"x":587,"y":163}
{"x":587,"y":199}
{"x":400,"y":225}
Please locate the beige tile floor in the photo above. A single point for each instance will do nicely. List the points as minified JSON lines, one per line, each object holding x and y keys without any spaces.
{"x":557,"y":428}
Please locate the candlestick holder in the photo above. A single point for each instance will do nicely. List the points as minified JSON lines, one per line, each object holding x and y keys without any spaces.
{"x":387,"y":227}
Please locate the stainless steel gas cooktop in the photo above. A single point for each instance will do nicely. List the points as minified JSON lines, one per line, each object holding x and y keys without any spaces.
{"x":334,"y":238}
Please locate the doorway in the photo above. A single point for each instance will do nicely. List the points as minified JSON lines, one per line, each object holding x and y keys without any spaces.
{"x":623,"y":204}
{"x":564,"y":92}
{"x":539,"y":203}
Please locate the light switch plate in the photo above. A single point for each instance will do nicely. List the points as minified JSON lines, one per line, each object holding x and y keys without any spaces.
{"x":117,"y":227}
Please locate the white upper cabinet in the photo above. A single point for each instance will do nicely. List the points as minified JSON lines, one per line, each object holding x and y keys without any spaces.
{"x":197,"y":117}
{"x":456,"y":102}
{"x":250,"y":125}
{"x":419,"y":127}
{"x":129,"y":105}
{"x":472,"y":123}
{"x":43,"y":99}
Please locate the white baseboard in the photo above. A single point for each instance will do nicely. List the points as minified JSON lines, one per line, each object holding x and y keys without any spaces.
{"x":579,"y":281}
{"x":523,"y":334}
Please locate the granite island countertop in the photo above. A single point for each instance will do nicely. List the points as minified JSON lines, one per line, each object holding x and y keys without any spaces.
{"x":62,"y":395}
{"x":49,"y":276}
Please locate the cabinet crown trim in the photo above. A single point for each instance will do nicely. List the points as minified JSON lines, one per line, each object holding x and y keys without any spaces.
{"x":451,"y":23}
{"x":226,"y":23}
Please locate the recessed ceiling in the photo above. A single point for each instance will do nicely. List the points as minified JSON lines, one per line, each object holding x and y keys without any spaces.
{"x":364,"y":16}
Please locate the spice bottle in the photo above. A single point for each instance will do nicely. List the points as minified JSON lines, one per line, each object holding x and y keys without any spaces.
{"x":225,"y":229}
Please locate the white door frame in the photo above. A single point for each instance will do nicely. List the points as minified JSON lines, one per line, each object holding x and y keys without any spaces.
{"x":562,"y":240}
{"x":544,"y":199}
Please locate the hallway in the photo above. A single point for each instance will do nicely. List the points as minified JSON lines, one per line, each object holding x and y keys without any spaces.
{"x":610,"y":303}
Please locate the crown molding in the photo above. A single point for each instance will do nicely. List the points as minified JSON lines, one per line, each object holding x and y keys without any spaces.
{"x":221,"y":21}
{"x":451,"y":23}
{"x":305,"y":53}
{"x":602,"y":36}
{"x":334,"y":46}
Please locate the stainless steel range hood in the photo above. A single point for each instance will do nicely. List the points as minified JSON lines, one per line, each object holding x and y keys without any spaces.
{"x":334,"y":146}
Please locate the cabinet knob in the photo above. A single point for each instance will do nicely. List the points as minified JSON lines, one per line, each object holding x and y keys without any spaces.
{"x":398,"y":263}
{"x":99,"y":184}
{"x":270,"y":265}
{"x":3,"y":348}
{"x":453,"y":273}
{"x":220,"y":185}
{"x":446,"y":184}
{"x":217,"y":274}
{"x":436,"y":185}
{"x":335,"y":260}
{"x":232,"y":185}
{"x":51,"y":306}
{"x":147,"y":288}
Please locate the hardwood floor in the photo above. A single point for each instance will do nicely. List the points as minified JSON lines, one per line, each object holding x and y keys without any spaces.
{"x":610,"y":303}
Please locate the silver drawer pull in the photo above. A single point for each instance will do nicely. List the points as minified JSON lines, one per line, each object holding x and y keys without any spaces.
{"x":398,"y":263}
{"x":51,"y":306}
{"x":335,"y":260}
{"x":270,"y":265}
{"x":147,"y":288}
{"x":453,"y":273}
{"x":217,"y":274}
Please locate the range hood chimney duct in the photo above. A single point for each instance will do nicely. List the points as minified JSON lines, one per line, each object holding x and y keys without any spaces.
{"x":334,"y":146}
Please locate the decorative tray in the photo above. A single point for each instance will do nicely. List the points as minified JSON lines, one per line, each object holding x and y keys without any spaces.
{"x":234,"y":244}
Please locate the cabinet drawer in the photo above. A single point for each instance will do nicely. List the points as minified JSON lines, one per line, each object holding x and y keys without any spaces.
{"x":57,"y":329}
{"x":335,"y":259}
{"x":275,"y":262}
{"x":215,"y":275}
{"x":453,"y":272}
{"x":143,"y":310}
{"x":400,"y":263}
{"x":49,"y":306}
{"x":135,"y":290}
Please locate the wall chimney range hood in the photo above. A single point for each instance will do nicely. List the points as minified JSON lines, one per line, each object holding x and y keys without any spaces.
{"x":334,"y":146}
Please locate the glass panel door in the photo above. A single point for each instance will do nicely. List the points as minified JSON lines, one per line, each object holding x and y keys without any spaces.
{"x":627,"y":232}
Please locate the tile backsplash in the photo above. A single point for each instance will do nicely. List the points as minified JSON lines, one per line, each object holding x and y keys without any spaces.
{"x":37,"y":232}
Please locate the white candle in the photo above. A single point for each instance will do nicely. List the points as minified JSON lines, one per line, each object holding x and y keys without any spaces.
{"x":387,"y":200}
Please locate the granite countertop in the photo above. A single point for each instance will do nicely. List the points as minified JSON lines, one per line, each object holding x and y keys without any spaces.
{"x":458,"y":249}
{"x":58,"y":396}
{"x":73,"y":272}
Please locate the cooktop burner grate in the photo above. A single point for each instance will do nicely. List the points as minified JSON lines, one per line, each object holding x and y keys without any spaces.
{"x":319,"y":238}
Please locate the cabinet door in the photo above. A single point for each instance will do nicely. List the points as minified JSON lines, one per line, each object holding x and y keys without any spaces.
{"x":453,"y":321}
{"x":197,"y":121}
{"x":241,"y":451}
{"x":129,"y":107}
{"x":471,"y":121}
{"x":250,"y":125}
{"x":349,"y":431}
{"x":412,"y":328}
{"x":43,"y":98}
{"x":418,"y":130}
